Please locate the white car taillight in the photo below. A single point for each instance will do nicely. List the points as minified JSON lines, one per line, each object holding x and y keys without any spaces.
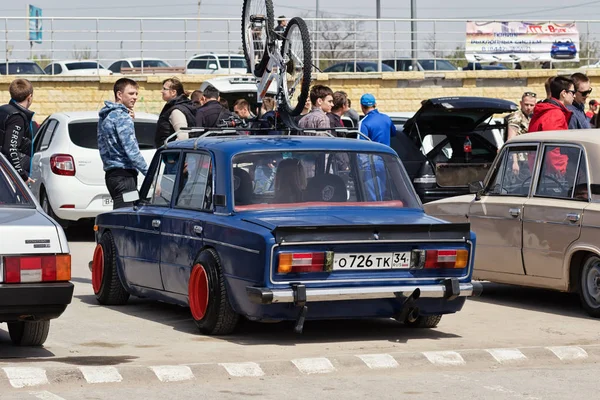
{"x":62,"y":164}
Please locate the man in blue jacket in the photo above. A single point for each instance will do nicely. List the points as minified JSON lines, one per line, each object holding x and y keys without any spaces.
{"x":117,"y":143}
{"x":379,"y":128}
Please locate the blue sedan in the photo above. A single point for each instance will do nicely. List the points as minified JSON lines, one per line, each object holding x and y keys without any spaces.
{"x":275,"y":228}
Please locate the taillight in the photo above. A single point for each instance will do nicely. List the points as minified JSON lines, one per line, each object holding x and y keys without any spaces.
{"x":433,"y":259}
{"x":29,"y":269}
{"x":301,"y":262}
{"x":62,"y":164}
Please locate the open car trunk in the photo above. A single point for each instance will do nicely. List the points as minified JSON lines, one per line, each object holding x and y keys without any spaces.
{"x":460,"y":174}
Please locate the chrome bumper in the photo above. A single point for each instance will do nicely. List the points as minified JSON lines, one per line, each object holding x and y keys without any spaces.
{"x":271,"y":296}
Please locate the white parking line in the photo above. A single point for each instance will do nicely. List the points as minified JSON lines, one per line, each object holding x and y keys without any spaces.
{"x":99,"y":374}
{"x":20,"y":377}
{"x":444,"y":357}
{"x":379,"y":361}
{"x":243,"y":369}
{"x":566,"y":353}
{"x":45,"y":395}
{"x":506,"y":355}
{"x":172,"y":373}
{"x":314,"y":365}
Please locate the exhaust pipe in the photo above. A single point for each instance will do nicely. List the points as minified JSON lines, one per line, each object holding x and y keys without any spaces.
{"x":413,"y":314}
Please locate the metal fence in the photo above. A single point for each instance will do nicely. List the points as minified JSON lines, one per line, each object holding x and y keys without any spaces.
{"x":176,"y":40}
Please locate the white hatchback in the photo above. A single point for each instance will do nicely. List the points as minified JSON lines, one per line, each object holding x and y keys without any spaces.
{"x":66,"y":165}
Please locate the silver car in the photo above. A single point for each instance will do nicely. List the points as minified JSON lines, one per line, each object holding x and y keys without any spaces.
{"x":35,"y":264}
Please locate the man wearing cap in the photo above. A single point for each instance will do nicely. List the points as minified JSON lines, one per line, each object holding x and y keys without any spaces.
{"x":377,"y":126}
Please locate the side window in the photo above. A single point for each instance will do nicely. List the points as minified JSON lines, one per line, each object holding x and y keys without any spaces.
{"x":164,"y":182}
{"x":196,"y":181}
{"x":48,"y":69}
{"x":512,"y":176}
{"x":48,"y":134}
{"x":39,"y":137}
{"x":558,"y":173}
{"x":115,"y":67}
{"x":581,"y":191}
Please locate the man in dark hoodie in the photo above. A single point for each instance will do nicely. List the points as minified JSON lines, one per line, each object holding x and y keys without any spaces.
{"x":179,"y":112}
{"x":118,"y":146}
{"x":16,"y":127}
{"x":211,"y":112}
{"x":552,"y":114}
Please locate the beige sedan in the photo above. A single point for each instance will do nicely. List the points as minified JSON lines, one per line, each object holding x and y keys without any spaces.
{"x":537,"y":215}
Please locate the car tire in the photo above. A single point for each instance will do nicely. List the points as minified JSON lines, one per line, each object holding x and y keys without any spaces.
{"x":589,"y":285}
{"x":209,"y":303}
{"x":47,"y":207}
{"x":107,"y":285}
{"x":423,"y":321}
{"x":28,"y":333}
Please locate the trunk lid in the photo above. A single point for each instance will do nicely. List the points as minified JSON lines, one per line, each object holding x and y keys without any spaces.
{"x":448,"y":115}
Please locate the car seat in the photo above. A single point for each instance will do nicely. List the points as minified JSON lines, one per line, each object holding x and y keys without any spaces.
{"x":242,"y":186}
{"x":328,"y":188}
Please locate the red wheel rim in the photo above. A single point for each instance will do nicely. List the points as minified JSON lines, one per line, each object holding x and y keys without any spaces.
{"x":198,"y":292}
{"x":97,"y":268}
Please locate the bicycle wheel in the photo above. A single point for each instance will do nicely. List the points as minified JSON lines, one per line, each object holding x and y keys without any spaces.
{"x":297,"y":59}
{"x":258,"y":19}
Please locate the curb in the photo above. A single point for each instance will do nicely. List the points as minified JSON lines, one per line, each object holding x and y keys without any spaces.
{"x":18,"y":376}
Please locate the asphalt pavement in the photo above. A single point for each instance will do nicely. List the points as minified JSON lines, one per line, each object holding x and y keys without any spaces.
{"x":152,"y":349}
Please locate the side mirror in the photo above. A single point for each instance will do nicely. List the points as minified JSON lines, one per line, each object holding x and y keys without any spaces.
{"x":475,"y":187}
{"x":212,"y":66}
{"x":130,"y":197}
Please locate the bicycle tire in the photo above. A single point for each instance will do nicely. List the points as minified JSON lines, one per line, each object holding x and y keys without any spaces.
{"x":296,"y":30}
{"x":249,"y":42}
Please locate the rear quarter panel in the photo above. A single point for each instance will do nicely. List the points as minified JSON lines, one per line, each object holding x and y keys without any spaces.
{"x":453,"y":209}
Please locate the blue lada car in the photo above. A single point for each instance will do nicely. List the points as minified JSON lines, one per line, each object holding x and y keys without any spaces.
{"x":275,"y":228}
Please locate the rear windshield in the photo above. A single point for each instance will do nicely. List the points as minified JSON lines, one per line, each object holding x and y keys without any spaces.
{"x":149,"y":64}
{"x":83,"y":65}
{"x":12,"y":192}
{"x":236,"y":62}
{"x":85,"y":134}
{"x":21,"y":68}
{"x":319,"y":178}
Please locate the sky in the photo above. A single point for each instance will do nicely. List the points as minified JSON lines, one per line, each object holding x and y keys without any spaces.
{"x":125,"y":42}
{"x":514,"y":9}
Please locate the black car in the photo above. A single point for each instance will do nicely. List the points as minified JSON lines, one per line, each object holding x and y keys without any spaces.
{"x":434,"y":144}
{"x":358,"y":66}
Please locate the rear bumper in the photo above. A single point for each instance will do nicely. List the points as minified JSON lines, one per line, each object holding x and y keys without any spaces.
{"x":439,"y":291}
{"x":34,"y":301}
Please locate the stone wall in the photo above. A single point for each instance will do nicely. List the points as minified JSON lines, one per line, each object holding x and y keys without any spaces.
{"x":395,"y":91}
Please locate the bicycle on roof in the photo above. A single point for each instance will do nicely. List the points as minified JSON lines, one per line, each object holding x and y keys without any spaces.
{"x":284,"y":58}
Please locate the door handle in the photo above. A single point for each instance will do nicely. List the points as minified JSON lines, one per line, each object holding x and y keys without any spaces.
{"x":515,"y":212}
{"x":573,"y":217}
{"x":156,"y":223}
{"x":198,"y":229}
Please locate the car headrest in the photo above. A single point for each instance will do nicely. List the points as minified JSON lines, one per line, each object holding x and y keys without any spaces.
{"x":328,"y":187}
{"x":242,"y":186}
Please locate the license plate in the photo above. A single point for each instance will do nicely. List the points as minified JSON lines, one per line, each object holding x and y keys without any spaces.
{"x":107,"y":201}
{"x":370,"y":261}
{"x":563,"y":48}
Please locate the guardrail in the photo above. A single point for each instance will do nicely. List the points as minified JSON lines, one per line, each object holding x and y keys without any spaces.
{"x":176,"y":40}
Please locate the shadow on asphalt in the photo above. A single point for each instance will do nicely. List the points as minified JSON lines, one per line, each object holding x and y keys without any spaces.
{"x":541,"y":300}
{"x":282,"y":333}
{"x":10,"y":352}
{"x":81,"y":232}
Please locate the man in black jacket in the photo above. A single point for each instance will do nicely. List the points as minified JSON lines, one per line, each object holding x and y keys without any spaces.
{"x":179,"y":112}
{"x":15,"y":127}
{"x":212,"y":112}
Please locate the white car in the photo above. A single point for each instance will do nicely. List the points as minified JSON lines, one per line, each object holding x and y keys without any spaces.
{"x":217,"y":64}
{"x":232,"y":88}
{"x":66,"y":164}
{"x":76,"y":67}
{"x":35,"y":264}
{"x":149,"y":63}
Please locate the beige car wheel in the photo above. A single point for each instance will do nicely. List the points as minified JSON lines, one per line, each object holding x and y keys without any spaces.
{"x":589,"y":286}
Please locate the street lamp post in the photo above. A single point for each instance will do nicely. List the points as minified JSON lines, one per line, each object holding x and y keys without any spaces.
{"x":378,"y":16}
{"x":413,"y":33}
{"x":316,"y":58}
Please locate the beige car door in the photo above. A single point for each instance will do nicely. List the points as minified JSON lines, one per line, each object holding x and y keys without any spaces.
{"x":496,"y":218}
{"x":552,"y":217}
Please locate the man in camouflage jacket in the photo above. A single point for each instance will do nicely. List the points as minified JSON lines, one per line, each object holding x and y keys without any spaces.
{"x":117,"y":143}
{"x":518,"y":124}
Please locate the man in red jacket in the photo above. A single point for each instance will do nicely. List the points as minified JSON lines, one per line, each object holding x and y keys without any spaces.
{"x":552,"y":115}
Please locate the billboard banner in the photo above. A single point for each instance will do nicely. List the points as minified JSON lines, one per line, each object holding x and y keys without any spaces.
{"x":35,"y":24}
{"x":521,"y":41}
